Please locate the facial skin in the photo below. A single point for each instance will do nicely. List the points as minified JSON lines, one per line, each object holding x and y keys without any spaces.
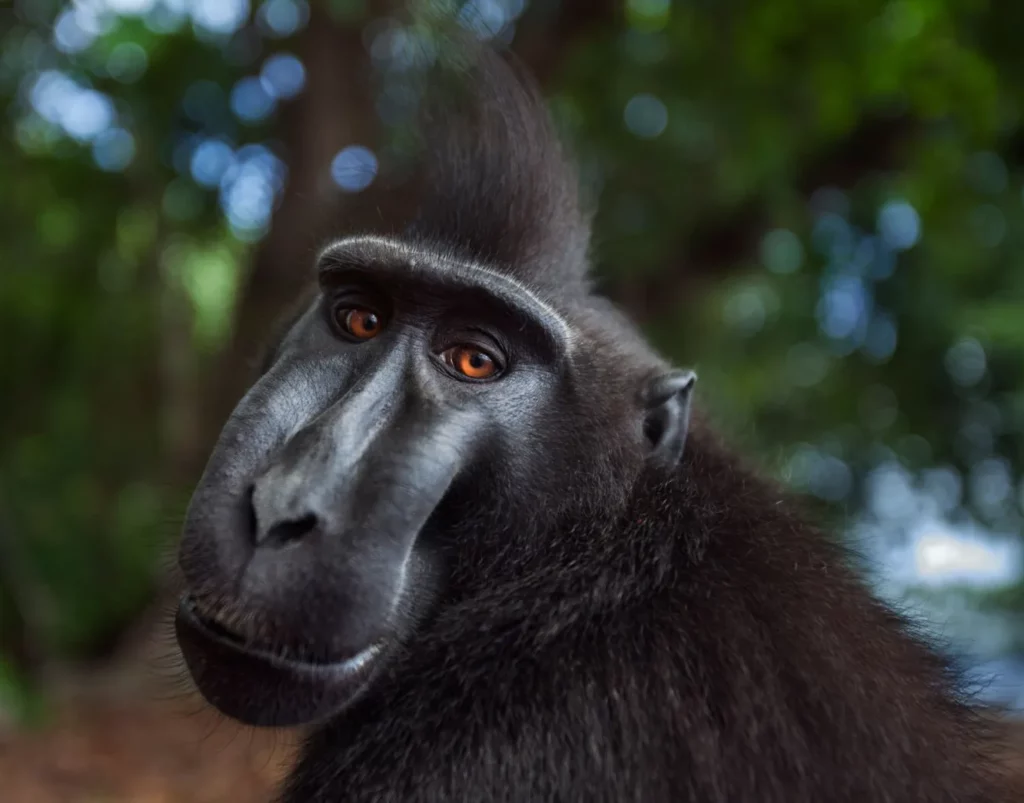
{"x":412,"y":391}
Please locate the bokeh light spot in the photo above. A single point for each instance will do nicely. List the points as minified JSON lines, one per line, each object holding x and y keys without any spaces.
{"x":167,"y":17}
{"x":842,"y":307}
{"x":782,"y":251}
{"x":833,"y":236}
{"x":966,"y":362}
{"x":883,"y":261}
{"x":283,"y":18}
{"x":82,"y":113}
{"x":130,"y":7}
{"x":220,"y":16}
{"x":354,"y":168}
{"x":991,"y":483}
{"x":485,"y":18}
{"x":248,"y":191}
{"x":890,"y":493}
{"x":881,"y":337}
{"x":250,"y":100}
{"x":899,"y":224}
{"x":745,"y":311}
{"x":51,"y":93}
{"x":825,"y":475}
{"x":211,"y":159}
{"x":829,"y":200}
{"x":645,"y":116}
{"x":283,"y":75}
{"x":113,"y":150}
{"x":88,"y":114}
{"x":70,"y":35}
{"x":945,"y":487}
{"x":127,"y":62}
{"x":648,"y":15}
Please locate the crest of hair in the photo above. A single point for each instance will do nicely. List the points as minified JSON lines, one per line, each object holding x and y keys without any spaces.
{"x":498,"y":185}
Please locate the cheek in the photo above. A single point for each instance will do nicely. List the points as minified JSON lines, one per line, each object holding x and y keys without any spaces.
{"x":562,"y":452}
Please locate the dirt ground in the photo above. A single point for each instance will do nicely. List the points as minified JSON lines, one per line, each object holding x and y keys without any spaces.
{"x":142,"y":752}
{"x":133,"y":752}
{"x":128,"y":739}
{"x":134,"y":731}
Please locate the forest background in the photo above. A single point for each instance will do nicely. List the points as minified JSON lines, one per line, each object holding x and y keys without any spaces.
{"x":819,"y":204}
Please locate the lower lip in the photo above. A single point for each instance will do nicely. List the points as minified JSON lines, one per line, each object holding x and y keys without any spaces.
{"x":348,"y":666}
{"x":231,"y":674}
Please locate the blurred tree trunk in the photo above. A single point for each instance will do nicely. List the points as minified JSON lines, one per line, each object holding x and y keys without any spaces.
{"x":19,"y":637}
{"x":335,"y":109}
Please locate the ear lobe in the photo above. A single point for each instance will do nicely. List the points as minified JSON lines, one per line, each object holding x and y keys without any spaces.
{"x":667,"y":415}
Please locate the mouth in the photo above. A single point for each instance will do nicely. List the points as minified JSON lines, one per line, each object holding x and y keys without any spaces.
{"x":259,"y":686}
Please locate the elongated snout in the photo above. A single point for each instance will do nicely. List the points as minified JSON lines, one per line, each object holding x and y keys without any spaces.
{"x":311,"y":483}
{"x":300,"y":543}
{"x":334,"y":513}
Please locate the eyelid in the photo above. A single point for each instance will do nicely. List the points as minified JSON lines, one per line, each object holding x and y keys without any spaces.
{"x":357,"y":297}
{"x":351,"y":297}
{"x":487,"y":341}
{"x":498,"y":357}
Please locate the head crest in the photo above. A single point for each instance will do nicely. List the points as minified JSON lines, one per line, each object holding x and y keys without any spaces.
{"x":499,"y":188}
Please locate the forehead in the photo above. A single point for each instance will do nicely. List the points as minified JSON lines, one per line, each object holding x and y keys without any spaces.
{"x":382,"y":255}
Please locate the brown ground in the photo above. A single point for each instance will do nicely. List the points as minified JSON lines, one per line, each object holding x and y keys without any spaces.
{"x":152,"y":752}
{"x":134,"y":731}
{"x":142,"y":752}
{"x":125,"y":735}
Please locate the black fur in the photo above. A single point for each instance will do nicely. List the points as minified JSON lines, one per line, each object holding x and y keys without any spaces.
{"x":705,"y":645}
{"x":603,"y":626}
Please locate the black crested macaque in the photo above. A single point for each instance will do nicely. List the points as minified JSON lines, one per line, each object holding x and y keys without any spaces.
{"x":460,"y":526}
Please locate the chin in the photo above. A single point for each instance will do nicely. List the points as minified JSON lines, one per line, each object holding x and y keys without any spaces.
{"x":260,"y":686}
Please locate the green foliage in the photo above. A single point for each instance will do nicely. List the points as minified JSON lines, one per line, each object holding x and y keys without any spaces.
{"x":742,"y":104}
{"x":84,"y":497}
{"x":20,"y":697}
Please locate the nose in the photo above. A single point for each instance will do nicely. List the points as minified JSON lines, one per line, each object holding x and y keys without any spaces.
{"x":277,"y":518}
{"x":308,"y":486}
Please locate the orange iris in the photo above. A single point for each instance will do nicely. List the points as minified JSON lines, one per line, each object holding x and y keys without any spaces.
{"x":471,"y":362}
{"x":361,"y":323}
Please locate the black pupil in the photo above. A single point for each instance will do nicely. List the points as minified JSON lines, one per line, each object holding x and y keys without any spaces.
{"x":477,"y":360}
{"x":367,"y":321}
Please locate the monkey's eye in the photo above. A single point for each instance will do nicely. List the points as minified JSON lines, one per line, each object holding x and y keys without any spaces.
{"x":359,"y":322}
{"x":471,"y":362}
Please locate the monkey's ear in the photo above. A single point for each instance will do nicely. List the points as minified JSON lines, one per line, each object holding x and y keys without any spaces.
{"x":667,"y":414}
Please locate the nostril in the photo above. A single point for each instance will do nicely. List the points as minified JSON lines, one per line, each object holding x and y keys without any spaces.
{"x":285,"y":532}
{"x":273,"y":516}
{"x":249,"y":512}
